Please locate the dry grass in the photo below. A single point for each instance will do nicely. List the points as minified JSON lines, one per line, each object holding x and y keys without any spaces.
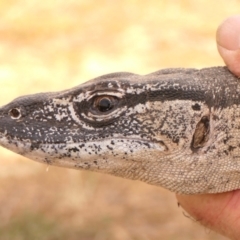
{"x":53,"y":45}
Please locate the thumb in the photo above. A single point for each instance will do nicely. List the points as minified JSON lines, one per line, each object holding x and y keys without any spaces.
{"x":228,"y":43}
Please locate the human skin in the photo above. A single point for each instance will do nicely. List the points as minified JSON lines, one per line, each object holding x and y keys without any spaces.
{"x":220,"y":212}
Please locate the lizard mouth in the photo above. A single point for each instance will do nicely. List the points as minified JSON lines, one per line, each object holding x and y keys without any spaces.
{"x":6,"y":139}
{"x":109,"y":142}
{"x":92,"y":147}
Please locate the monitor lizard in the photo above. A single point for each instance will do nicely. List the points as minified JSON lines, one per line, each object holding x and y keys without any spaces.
{"x":176,"y":128}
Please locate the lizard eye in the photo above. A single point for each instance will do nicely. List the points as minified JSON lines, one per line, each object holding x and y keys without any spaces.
{"x":15,"y":113}
{"x":100,"y":110}
{"x":104,"y":103}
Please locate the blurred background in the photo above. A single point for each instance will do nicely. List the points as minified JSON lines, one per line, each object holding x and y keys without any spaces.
{"x":55,"y":45}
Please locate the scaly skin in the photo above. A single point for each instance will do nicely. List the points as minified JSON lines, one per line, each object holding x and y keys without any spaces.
{"x":177,"y":128}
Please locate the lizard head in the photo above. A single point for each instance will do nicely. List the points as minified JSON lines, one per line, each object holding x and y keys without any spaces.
{"x":138,"y":127}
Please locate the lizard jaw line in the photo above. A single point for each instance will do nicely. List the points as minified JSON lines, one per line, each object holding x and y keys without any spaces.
{"x":22,"y":147}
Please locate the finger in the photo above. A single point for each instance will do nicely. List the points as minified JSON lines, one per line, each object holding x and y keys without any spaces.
{"x":228,"y":43}
{"x":219,"y":212}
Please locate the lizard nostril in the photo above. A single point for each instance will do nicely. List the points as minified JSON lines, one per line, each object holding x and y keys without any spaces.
{"x":15,"y":113}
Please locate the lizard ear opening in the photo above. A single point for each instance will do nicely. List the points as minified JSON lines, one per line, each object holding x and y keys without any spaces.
{"x":201,"y":134}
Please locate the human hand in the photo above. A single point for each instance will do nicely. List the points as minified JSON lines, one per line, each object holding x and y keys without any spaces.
{"x":220,"y":212}
{"x":228,"y":43}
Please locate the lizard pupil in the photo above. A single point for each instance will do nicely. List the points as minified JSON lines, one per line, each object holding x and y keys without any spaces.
{"x":104,"y":104}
